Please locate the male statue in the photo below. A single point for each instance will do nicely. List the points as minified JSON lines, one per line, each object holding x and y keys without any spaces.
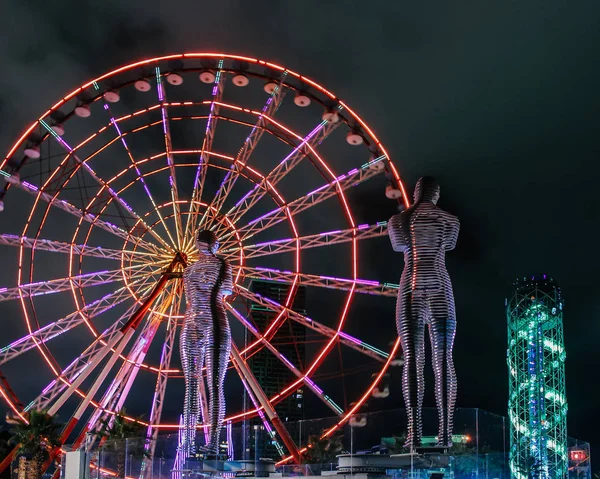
{"x":424,"y":232}
{"x":205,"y":340}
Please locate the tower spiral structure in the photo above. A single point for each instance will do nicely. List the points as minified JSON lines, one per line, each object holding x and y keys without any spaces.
{"x":537,"y":405}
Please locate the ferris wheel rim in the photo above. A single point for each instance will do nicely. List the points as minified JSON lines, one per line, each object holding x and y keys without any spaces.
{"x":150,"y":61}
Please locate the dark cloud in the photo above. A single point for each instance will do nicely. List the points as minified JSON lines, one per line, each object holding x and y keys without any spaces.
{"x":499,"y":100}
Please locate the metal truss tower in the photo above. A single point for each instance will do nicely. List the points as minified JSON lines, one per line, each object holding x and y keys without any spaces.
{"x":537,"y":405}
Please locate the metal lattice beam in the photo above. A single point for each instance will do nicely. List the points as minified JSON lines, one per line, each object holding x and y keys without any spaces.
{"x":160,"y":389}
{"x":68,"y":248}
{"x":209,"y":136}
{"x":78,"y":366}
{"x":326,"y":331}
{"x":329,"y":190}
{"x":343,"y":284}
{"x":105,"y":190}
{"x":51,"y":331}
{"x":86,"y":216}
{"x":285,"y":361}
{"x":303,"y":150}
{"x":318,"y":240}
{"x":243,"y":156}
{"x":64,"y":284}
{"x":162,"y":98}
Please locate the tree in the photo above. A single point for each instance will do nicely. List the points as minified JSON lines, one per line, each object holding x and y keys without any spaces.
{"x":323,"y":451}
{"x":116,"y":436}
{"x":395,"y":444}
{"x":5,"y":448}
{"x":36,"y":439}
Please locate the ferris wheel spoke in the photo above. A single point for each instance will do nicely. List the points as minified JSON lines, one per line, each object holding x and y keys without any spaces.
{"x":243,"y":155}
{"x":116,"y":394}
{"x":61,"y":326}
{"x":343,"y":284}
{"x":209,"y":136}
{"x":75,"y":368}
{"x":119,"y":384}
{"x":306,"y":380}
{"x":160,"y":389}
{"x":328,"y":190}
{"x":326,"y":331}
{"x":311,"y":141}
{"x":246,"y":374}
{"x":121,"y":136}
{"x":67,"y":248}
{"x":113,"y":340}
{"x":73,"y":371}
{"x":105,"y":187}
{"x":260,"y":410}
{"x":171,"y":300}
{"x":63,"y":284}
{"x":318,"y":240}
{"x":86,"y":216}
{"x":162,"y":98}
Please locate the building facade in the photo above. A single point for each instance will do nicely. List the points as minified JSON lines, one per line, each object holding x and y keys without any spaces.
{"x":537,"y":405}
{"x":271,"y":373}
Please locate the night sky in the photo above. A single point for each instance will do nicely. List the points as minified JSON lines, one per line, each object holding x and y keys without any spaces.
{"x":498,"y":100}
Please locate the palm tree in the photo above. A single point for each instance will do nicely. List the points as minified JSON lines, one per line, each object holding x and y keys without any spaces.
{"x":116,"y":436}
{"x":36,"y":439}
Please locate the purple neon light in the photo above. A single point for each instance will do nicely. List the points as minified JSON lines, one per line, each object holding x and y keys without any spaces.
{"x":266,"y":215}
{"x":294,"y":151}
{"x":350,"y":338}
{"x":234,"y":164}
{"x":58,"y":333}
{"x":313,"y":385}
{"x":29,"y":185}
{"x":366,"y":282}
{"x":47,"y":388}
{"x":271,"y":242}
{"x":139,"y":173}
{"x":286,"y":360}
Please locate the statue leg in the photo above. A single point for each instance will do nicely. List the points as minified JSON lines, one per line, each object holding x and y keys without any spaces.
{"x":442,"y":328}
{"x":217,"y":358}
{"x":190,"y":351}
{"x":411,"y":329}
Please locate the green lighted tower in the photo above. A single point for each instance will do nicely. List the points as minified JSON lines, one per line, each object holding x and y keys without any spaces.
{"x":537,"y":406}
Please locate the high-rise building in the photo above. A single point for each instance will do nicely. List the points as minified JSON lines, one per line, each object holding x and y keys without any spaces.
{"x":537,"y":406}
{"x":271,"y":373}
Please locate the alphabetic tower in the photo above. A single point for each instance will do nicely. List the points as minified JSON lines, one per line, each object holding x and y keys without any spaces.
{"x":537,"y":405}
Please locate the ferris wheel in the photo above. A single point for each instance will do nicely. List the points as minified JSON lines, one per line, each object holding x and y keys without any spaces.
{"x":103,"y":196}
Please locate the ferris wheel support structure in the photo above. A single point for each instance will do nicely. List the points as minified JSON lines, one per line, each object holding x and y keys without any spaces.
{"x":117,"y":185}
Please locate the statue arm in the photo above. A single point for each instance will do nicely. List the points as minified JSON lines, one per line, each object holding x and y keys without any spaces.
{"x":395,"y":234}
{"x":452,"y":233}
{"x":227,"y":287}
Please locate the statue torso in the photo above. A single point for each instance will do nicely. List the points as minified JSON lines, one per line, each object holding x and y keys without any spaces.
{"x":204,"y":282}
{"x":423,"y":233}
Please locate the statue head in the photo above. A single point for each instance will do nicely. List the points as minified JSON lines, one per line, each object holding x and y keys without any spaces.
{"x":206,"y":240}
{"x":427,"y":190}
